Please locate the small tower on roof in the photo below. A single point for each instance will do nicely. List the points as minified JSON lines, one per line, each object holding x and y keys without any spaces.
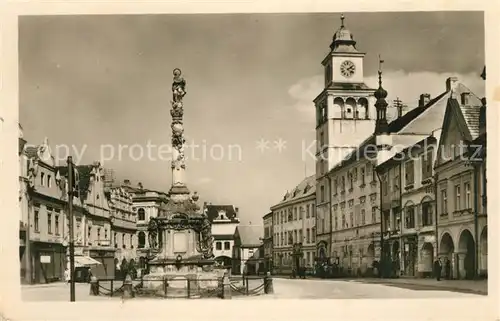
{"x":380,"y":94}
{"x":383,"y":138}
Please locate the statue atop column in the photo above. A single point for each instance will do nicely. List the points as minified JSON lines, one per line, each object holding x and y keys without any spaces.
{"x":178,"y":158}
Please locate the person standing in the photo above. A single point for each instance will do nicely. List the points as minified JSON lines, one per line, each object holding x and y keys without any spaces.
{"x":437,"y":269}
{"x":67,"y":276}
{"x":447,"y":268}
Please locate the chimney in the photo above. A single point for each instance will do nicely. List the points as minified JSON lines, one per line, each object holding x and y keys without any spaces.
{"x":451,"y":82}
{"x":126,"y":182}
{"x":424,"y":99}
{"x":465,"y":98}
{"x":236,"y":209}
{"x":140,"y":185}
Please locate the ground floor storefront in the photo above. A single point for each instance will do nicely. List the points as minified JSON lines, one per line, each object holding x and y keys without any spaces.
{"x":47,"y":262}
{"x":101,"y":261}
{"x":355,"y":257}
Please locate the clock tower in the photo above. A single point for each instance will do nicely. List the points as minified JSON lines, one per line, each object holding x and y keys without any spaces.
{"x":345,"y":112}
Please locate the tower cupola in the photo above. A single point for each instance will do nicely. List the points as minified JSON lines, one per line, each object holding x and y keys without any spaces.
{"x":381,"y":125}
{"x":343,"y":39}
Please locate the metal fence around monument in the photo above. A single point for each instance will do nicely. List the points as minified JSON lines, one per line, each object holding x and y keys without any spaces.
{"x":184,"y":288}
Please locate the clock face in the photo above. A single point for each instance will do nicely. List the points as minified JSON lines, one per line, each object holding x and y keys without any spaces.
{"x":347,"y":68}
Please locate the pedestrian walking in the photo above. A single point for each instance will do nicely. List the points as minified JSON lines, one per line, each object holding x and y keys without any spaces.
{"x":67,"y":276}
{"x":437,"y":269}
{"x":447,"y":269}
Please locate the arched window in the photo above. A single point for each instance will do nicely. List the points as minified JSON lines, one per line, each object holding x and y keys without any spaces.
{"x":141,"y":214}
{"x":142,"y":240}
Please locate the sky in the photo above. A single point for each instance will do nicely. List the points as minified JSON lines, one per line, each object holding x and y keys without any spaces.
{"x":102,"y":84}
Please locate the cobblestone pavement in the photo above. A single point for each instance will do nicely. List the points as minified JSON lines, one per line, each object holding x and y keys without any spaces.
{"x":464,"y":286}
{"x":283,"y":289}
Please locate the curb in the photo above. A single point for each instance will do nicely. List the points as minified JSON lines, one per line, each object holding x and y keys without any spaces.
{"x":429,"y":286}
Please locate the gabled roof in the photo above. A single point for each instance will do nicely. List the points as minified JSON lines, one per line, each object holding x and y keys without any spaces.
{"x":431,"y":118}
{"x":413,"y":126}
{"x":213,"y":211}
{"x":84,"y":172}
{"x":249,"y":235}
{"x":305,"y":188}
{"x":467,"y":117}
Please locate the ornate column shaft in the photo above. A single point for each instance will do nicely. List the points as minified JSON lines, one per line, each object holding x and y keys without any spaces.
{"x":178,"y":191}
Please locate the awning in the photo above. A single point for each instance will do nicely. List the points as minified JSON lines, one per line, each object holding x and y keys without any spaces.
{"x":81,"y":261}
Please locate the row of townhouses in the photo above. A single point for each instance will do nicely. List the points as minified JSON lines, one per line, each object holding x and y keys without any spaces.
{"x":396,"y":194}
{"x":110,"y":221}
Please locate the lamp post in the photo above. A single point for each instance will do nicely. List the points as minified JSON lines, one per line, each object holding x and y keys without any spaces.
{"x":71,"y":236}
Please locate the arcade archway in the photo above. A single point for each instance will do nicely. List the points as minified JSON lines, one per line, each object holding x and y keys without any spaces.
{"x":483,"y":251}
{"x":446,"y":246}
{"x":466,"y":247}
{"x":223,"y":261}
{"x":426,"y":258}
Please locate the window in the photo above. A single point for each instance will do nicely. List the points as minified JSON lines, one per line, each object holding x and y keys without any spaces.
{"x":409,"y":173}
{"x":335,"y":186}
{"x":362,"y":175}
{"x":105,"y":234}
{"x":328,"y":74}
{"x":343,"y":221}
{"x":395,"y":183}
{"x":427,"y":165}
{"x":385,"y":185}
{"x":343,"y":184}
{"x":308,"y":214}
{"x":410,"y":217}
{"x":295,"y":237}
{"x":322,"y":193}
{"x":115,"y":239}
{"x":141,"y":214}
{"x":123,"y":242}
{"x":37,"y":217}
{"x":351,"y":180}
{"x":363,"y":217}
{"x":374,"y":215}
{"x":42,"y":176}
{"x":98,"y":234}
{"x":313,"y":211}
{"x":457,"y":197}
{"x":321,"y":141}
{"x":49,"y":181}
{"x":131,"y":241}
{"x":427,"y":214}
{"x":294,"y":213}
{"x":467,"y":195}
{"x":308,"y":235}
{"x":313,"y":234}
{"x":218,"y":246}
{"x":301,"y":237}
{"x":57,"y":224}
{"x":301,"y":210}
{"x":49,"y":223}
{"x":141,"y":240}
{"x":227,"y":245}
{"x":351,"y":219}
{"x":444,"y":201}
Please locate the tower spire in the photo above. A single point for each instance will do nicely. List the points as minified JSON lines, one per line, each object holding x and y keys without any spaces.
{"x":342,"y":17}
{"x":381,"y":125}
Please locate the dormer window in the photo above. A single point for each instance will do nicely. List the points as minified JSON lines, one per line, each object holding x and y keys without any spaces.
{"x":42,"y":176}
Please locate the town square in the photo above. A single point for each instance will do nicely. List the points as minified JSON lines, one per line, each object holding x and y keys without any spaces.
{"x":252,"y":156}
